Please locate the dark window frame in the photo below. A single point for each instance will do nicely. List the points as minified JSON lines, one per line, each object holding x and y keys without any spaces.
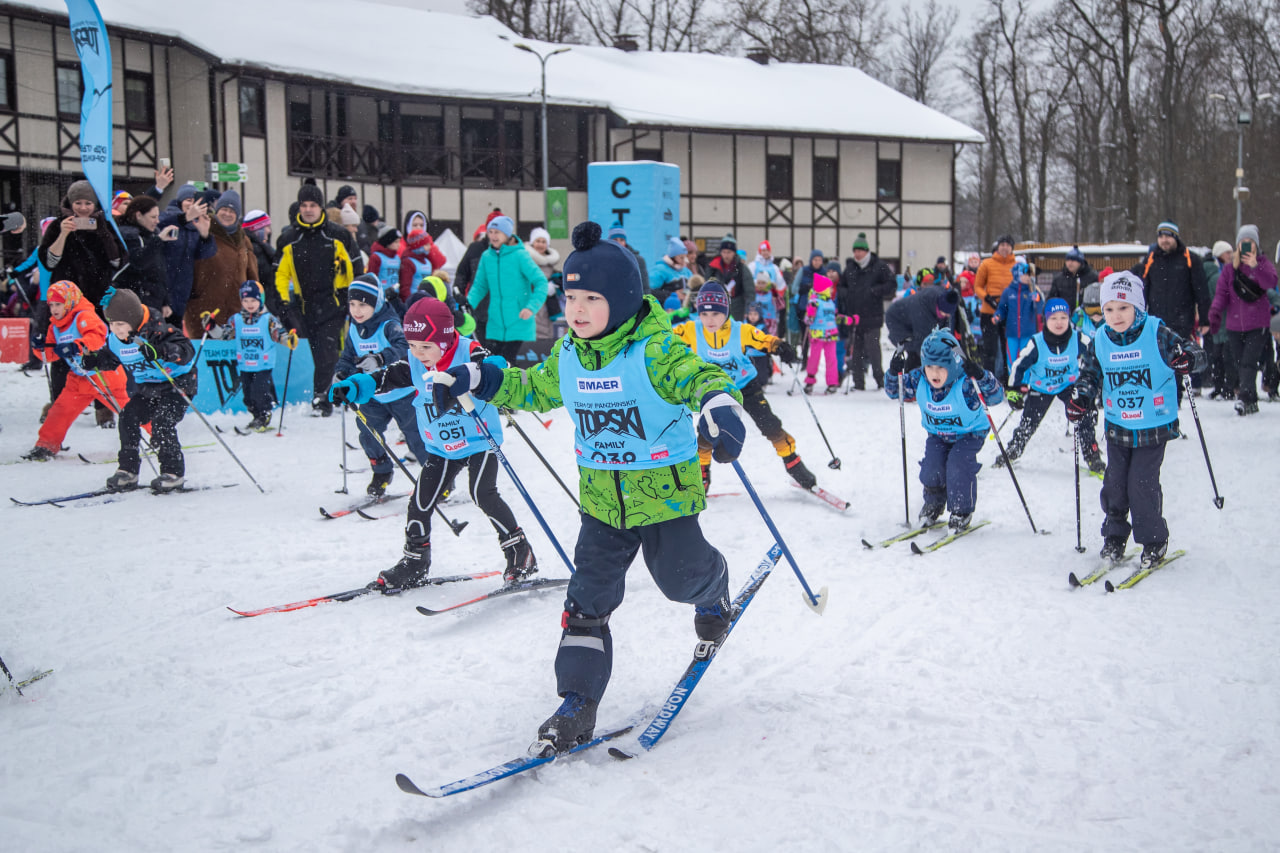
{"x":148,"y":80}
{"x":10,"y":89}
{"x":654,"y":154}
{"x":820,"y":191}
{"x":259,"y":126}
{"x":67,"y":115}
{"x":881,"y":182}
{"x":773,"y":180}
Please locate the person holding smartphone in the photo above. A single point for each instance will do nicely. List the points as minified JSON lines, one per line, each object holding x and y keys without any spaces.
{"x":1241,"y":303}
{"x":146,"y":273}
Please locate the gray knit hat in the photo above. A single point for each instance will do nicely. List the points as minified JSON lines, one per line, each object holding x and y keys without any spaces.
{"x":81,"y":191}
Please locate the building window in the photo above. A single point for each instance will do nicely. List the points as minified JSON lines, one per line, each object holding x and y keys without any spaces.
{"x":300,"y":117}
{"x":70,"y":88}
{"x":253,"y":109}
{"x":654,"y":154}
{"x":826,"y":178}
{"x":777,"y":179}
{"x":889,"y":179}
{"x":139,"y":100}
{"x":7,"y":100}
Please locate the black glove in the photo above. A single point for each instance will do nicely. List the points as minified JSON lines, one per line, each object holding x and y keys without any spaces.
{"x":293,"y":316}
{"x":898,"y":364}
{"x":787,"y":353}
{"x":148,"y":351}
{"x":1077,"y":409}
{"x":90,"y":360}
{"x":993,"y":301}
{"x":973,"y":370}
{"x":1016,"y":397}
{"x":1181,"y":361}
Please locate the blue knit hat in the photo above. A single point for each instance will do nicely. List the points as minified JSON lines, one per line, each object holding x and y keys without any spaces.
{"x":616,"y":232}
{"x":1168,"y":227}
{"x":607,"y":268}
{"x":503,"y":224}
{"x":712,"y":297}
{"x":366,"y":289}
{"x":1074,"y":254}
{"x":252,"y":290}
{"x":941,"y":350}
{"x":675,"y":247}
{"x":1056,"y":305}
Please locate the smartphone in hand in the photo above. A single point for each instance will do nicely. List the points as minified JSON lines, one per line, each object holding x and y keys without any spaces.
{"x":86,"y":223}
{"x":164,"y":163}
{"x":1246,"y":247}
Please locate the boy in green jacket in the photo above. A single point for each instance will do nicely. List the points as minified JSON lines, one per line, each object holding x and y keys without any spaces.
{"x":633,"y":388}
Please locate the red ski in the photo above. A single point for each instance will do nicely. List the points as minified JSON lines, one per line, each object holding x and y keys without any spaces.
{"x":825,"y":496}
{"x":354,"y":593}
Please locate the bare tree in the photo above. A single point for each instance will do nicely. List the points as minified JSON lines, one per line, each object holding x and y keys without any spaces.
{"x":921,"y":39}
{"x":546,"y":20}
{"x":844,"y":32}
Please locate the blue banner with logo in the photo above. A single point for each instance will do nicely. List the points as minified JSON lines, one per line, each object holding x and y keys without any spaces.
{"x":89,"y":34}
{"x":219,"y":376}
{"x":643,"y":197}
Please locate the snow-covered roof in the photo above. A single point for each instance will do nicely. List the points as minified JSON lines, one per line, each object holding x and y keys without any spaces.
{"x":414,"y":51}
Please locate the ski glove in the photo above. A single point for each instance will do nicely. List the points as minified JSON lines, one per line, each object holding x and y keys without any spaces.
{"x":206,"y":321}
{"x":1076,"y":409}
{"x":1181,"y":361}
{"x":787,"y":353}
{"x":974,"y":370}
{"x":1015,"y":397}
{"x":482,"y":380}
{"x":898,"y":364}
{"x":290,"y":339}
{"x":720,"y":425}
{"x":369,"y":363}
{"x":148,"y":351}
{"x":90,"y":360}
{"x":357,"y":388}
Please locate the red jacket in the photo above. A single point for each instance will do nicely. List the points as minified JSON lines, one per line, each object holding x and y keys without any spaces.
{"x":91,"y":331}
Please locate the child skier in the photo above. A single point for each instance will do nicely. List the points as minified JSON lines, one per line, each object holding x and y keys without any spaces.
{"x":762,"y":360}
{"x":631,"y":387}
{"x":1136,"y":362}
{"x":823,"y":322}
{"x":453,"y":441}
{"x":375,"y":340}
{"x":158,"y":360}
{"x":727,"y":344}
{"x":75,"y":328}
{"x":1019,"y":311}
{"x":256,"y":332}
{"x":1048,"y":368}
{"x":953,"y":415}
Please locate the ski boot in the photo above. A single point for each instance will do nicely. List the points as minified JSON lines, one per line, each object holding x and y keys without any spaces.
{"x":122,"y":481}
{"x":832,"y":389}
{"x":412,"y":570}
{"x":929,"y":514}
{"x":1243,"y":408}
{"x":1093,"y":458}
{"x":1153,"y":553}
{"x":377,"y":487}
{"x":105,"y":418}
{"x":40,"y":454}
{"x":711,"y":623}
{"x":808,"y":388}
{"x":320,"y":406}
{"x":802,"y":475}
{"x":959,"y":521}
{"x":573,"y":723}
{"x":521,"y":564}
{"x":1113,"y":548}
{"x":167,"y":483}
{"x":1013,"y":451}
{"x":260,"y":423}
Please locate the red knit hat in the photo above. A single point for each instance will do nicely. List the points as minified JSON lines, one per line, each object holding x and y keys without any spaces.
{"x":430,"y":321}
{"x":65,"y":292}
{"x":418,"y":239}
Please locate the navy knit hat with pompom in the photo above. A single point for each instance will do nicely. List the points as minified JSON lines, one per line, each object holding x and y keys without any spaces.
{"x":607,"y":268}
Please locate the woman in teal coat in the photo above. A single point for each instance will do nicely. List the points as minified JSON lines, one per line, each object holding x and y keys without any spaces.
{"x":516,"y":289}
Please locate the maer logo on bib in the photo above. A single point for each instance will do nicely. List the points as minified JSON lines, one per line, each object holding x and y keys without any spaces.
{"x":605,"y":385}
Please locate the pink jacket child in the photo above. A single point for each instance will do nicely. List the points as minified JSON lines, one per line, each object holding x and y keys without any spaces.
{"x":824,"y":323}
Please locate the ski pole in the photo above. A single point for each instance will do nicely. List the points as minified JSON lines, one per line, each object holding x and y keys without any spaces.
{"x":816,"y":603}
{"x":1008,"y":463}
{"x":9,"y":675}
{"x":213,"y":431}
{"x":342,"y":413}
{"x":902,"y":429}
{"x":470,"y":407}
{"x":205,"y":336}
{"x":1003,"y":423}
{"x":511,"y":421}
{"x":284,"y":402}
{"x":455,"y":526}
{"x":1218,"y":500}
{"x":1075,"y":447}
{"x":834,"y":464}
{"x":31,"y":312}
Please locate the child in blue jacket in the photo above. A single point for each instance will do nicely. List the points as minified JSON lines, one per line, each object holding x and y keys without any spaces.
{"x":1019,"y":311}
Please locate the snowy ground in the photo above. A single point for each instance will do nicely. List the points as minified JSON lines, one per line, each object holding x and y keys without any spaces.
{"x":966,"y":700}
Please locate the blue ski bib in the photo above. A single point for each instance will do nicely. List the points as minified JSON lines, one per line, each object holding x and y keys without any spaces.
{"x":143,"y":371}
{"x":375,"y":343}
{"x":389,"y":273}
{"x":64,"y":344}
{"x":255,"y":351}
{"x":620,"y":421}
{"x":421,"y":269}
{"x":952,"y":417}
{"x":824,"y":318}
{"x":1054,"y":372}
{"x":732,"y":359}
{"x":453,"y":434}
{"x":1139,"y":391}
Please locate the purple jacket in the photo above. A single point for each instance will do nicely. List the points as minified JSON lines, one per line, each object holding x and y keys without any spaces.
{"x":1241,"y":316}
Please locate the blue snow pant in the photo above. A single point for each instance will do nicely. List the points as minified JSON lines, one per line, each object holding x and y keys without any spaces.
{"x":682,"y":563}
{"x":1015,"y":344}
{"x":379,"y":415}
{"x":949,"y":472}
{"x":259,"y":392}
{"x":1131,"y":486}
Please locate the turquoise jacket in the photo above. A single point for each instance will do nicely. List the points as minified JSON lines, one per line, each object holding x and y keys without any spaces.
{"x":512,"y":281}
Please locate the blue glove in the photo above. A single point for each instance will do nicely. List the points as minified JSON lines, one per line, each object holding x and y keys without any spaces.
{"x":720,"y":425}
{"x":481,"y":380}
{"x":357,"y":388}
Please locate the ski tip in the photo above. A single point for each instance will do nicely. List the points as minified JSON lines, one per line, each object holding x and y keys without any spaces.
{"x":425,"y":611}
{"x":867,"y":545}
{"x":404,"y":783}
{"x":619,"y":754}
{"x":1109,"y":586}
{"x":818,"y":603}
{"x":915,"y":549}
{"x":364,"y":514}
{"x":1073,"y":580}
{"x":243,"y":613}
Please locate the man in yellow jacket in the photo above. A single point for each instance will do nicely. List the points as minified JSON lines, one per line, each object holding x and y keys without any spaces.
{"x":318,"y":259}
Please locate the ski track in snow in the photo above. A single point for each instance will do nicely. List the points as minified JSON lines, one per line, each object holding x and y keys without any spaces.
{"x":963,"y":700}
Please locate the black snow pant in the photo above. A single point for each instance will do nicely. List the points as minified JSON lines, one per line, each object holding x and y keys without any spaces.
{"x":259,"y":392}
{"x":1246,"y":355}
{"x":949,"y":472}
{"x":992,"y":342}
{"x":379,"y":415}
{"x":437,"y":475}
{"x":164,"y":408}
{"x":683,"y":564}
{"x":58,"y":371}
{"x":864,"y":350}
{"x":1222,"y":368}
{"x":1131,"y":487}
{"x":324,"y":336}
{"x":1036,"y":406}
{"x":507,"y":349}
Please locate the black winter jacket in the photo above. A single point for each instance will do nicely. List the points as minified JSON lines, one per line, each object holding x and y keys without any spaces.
{"x":1176,"y":287}
{"x":147,"y":273}
{"x":912,"y":318}
{"x":864,"y":290}
{"x":1068,"y":286}
{"x":89,"y":258}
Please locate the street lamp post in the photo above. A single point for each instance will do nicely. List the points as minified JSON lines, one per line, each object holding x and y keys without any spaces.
{"x":1244,"y":118}
{"x":542,"y":59}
